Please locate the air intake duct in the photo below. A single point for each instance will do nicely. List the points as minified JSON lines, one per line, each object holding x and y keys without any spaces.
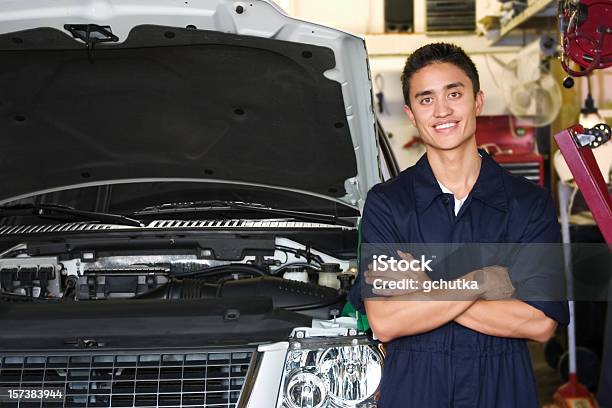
{"x":287,"y":294}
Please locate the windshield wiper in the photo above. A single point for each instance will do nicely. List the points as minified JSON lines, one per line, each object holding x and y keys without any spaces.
{"x":219,"y":205}
{"x":49,"y":210}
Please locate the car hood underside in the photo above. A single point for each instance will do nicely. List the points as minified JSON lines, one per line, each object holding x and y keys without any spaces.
{"x":170,"y":103}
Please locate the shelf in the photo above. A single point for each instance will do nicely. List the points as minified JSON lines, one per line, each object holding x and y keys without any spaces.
{"x":530,"y":12}
{"x":402,"y":44}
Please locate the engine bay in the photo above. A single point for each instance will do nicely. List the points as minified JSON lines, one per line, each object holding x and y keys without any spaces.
{"x":294,"y":276}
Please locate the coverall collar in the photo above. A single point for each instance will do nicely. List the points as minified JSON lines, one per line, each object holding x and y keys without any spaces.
{"x":489,"y":186}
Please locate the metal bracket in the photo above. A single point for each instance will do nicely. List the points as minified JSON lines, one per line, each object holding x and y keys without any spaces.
{"x":595,"y":136}
{"x":351,"y":185}
{"x":91,"y":34}
{"x":581,"y":162}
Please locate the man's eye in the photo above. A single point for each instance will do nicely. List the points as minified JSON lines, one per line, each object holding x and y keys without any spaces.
{"x":454,"y":95}
{"x":425,"y":101}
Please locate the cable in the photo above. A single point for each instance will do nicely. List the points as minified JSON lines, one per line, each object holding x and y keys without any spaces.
{"x":239,"y":267}
{"x":301,"y":253}
{"x":234,"y":267}
{"x":277,"y":271}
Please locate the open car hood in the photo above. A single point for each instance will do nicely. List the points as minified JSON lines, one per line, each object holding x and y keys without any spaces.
{"x":200,"y":90}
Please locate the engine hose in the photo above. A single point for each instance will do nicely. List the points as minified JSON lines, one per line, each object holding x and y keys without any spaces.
{"x":225,"y":269}
{"x":182,"y":289}
{"x":316,"y":305}
{"x":286,"y":294}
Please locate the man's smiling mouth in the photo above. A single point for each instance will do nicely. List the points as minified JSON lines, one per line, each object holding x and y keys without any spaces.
{"x":446,"y":125}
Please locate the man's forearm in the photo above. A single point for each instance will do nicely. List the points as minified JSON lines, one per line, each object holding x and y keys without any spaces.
{"x":418,"y":312}
{"x":414,"y":313}
{"x":508,"y":318}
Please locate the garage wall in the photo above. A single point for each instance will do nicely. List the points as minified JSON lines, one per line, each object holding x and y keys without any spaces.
{"x":365,"y":16}
{"x":388,"y":53}
{"x":355,"y":16}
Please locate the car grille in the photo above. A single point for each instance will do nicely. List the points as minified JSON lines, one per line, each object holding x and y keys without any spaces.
{"x":168,"y":379}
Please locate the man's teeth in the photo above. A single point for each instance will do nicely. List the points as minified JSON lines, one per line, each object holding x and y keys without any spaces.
{"x":446,"y":125}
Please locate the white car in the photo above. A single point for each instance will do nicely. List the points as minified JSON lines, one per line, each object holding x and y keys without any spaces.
{"x":180,"y":192}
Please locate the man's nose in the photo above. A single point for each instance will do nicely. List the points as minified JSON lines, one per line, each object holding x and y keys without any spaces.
{"x":442,"y":108}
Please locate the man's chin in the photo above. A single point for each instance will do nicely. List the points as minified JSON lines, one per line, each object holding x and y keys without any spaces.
{"x":452,"y":141}
{"x":450,"y":145}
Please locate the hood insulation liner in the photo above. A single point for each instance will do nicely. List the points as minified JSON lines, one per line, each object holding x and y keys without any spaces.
{"x":170,"y":103}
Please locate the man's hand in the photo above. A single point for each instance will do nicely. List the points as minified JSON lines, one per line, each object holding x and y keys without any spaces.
{"x":494,"y":282}
{"x":417,"y":277}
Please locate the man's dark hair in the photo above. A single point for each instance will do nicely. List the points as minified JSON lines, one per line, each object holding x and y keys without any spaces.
{"x":438,"y":53}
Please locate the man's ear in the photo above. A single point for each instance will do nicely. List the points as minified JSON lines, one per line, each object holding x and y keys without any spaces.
{"x":479,"y":101}
{"x":410,"y":115}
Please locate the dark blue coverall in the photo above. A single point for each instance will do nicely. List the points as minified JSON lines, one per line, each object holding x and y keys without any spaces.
{"x":454,"y":366}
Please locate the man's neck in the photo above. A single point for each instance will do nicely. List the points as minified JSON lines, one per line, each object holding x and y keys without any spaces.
{"x":456,"y":169}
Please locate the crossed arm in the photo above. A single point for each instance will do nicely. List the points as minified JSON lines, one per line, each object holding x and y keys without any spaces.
{"x":488,"y":309}
{"x":391,"y":318}
{"x":508,"y":318}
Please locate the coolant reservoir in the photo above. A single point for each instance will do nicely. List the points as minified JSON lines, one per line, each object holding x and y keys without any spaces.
{"x":296,"y":273}
{"x":328,"y":275}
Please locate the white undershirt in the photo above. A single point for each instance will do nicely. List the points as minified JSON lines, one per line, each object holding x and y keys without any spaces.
{"x":458,"y":203}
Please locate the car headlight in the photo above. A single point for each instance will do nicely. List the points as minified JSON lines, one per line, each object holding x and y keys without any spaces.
{"x":339,"y":374}
{"x":304,"y":388}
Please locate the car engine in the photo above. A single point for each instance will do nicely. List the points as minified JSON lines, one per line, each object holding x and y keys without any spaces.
{"x":295,"y":277}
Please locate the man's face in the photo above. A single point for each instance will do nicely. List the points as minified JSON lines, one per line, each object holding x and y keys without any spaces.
{"x":443,"y":106}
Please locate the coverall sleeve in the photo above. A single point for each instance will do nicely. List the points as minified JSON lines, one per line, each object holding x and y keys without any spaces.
{"x":377,"y":227}
{"x":542,"y":228}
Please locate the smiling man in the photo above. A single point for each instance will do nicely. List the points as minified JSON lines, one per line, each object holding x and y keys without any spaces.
{"x":460,"y":350}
